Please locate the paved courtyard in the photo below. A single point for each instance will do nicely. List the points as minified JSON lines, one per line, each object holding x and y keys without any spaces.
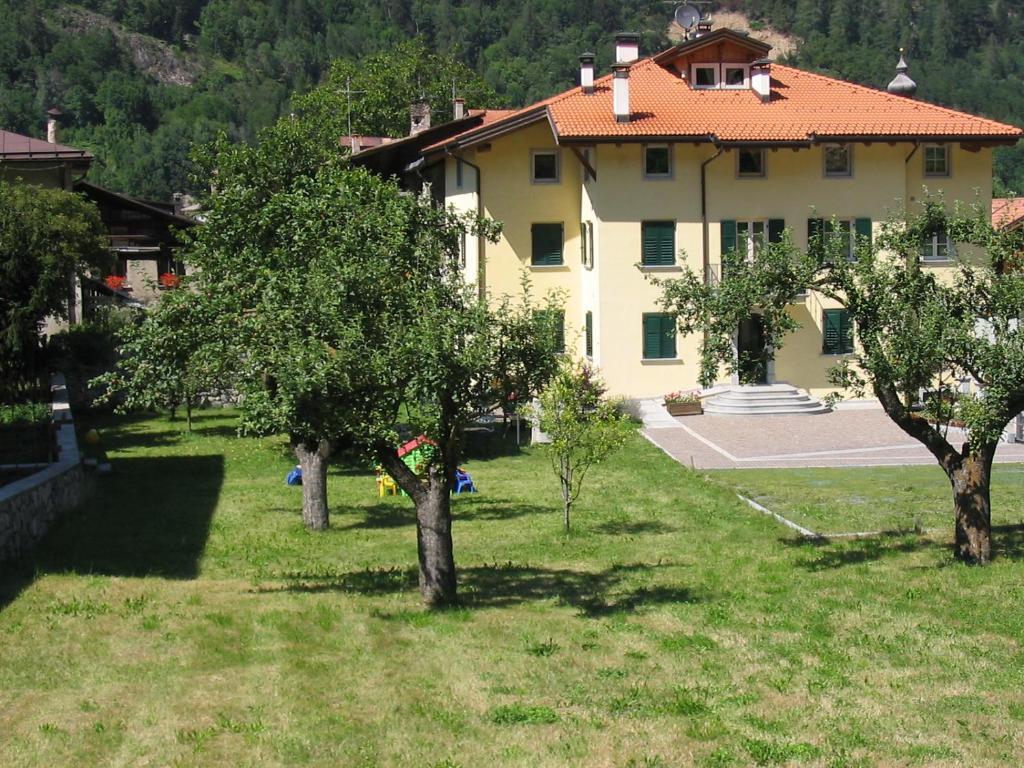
{"x":844,"y":438}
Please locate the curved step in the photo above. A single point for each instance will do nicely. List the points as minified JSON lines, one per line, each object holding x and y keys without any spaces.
{"x":763,"y":399}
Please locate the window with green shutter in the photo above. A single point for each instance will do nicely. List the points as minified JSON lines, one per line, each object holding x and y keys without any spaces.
{"x":775,"y":229}
{"x":547,"y":242}
{"x":837,"y":332}
{"x":659,"y":336}
{"x":588,"y":327}
{"x":728,"y":236}
{"x":658,"y":243}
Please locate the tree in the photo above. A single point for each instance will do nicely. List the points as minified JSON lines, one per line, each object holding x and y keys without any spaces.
{"x":342,"y":298}
{"x":584,"y":428}
{"x":914,"y":330}
{"x":47,"y":237}
{"x":380,"y":88}
{"x":169,"y":358}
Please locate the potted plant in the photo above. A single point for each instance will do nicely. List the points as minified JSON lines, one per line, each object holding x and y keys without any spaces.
{"x":683,"y":404}
{"x":114,"y":282}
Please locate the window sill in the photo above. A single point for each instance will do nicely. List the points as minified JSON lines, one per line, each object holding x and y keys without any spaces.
{"x":659,"y":267}
{"x":838,"y":354}
{"x":658,"y":177}
{"x":549,"y":268}
{"x":661,"y":361}
{"x":546,"y":182}
{"x":935,"y":262}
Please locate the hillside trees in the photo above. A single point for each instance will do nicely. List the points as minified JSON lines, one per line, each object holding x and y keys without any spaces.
{"x":914,"y":329}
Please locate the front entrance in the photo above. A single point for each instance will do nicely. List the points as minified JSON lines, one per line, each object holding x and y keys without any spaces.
{"x":750,"y":349}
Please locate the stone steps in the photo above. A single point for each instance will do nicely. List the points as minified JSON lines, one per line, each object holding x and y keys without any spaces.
{"x":763,"y":400}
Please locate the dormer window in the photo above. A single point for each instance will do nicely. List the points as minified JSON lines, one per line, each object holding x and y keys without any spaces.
{"x":705,"y":75}
{"x":735,"y":76}
{"x":720,"y":75}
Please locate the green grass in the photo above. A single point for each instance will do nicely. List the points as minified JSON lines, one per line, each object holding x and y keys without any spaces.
{"x":872,"y":499}
{"x":185,"y":618}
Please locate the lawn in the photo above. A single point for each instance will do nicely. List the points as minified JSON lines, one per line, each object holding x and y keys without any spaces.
{"x":872,"y":499}
{"x":185,"y":618}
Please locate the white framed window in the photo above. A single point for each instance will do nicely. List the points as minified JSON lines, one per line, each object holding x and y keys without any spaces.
{"x":843,"y":230}
{"x":735,"y":76}
{"x":657,"y":161}
{"x":750,"y":162}
{"x":750,"y":236}
{"x":545,"y":166}
{"x":720,"y":75}
{"x":938,"y":247}
{"x":704,"y":75}
{"x":936,"y":160}
{"x":838,"y":160}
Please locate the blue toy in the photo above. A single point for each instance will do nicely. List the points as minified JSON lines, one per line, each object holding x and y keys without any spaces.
{"x":295,"y":476}
{"x":463,"y":481}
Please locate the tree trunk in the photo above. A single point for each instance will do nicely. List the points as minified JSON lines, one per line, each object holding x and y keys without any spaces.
{"x":434,"y":541}
{"x":188,"y":415}
{"x":566,"y":501}
{"x":971,"y":482}
{"x":313,"y":455}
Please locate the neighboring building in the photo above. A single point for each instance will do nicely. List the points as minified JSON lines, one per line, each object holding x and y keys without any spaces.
{"x":24,"y":159}
{"x":1007,"y":212}
{"x":143,"y":241}
{"x":703,"y":148}
{"x":46,"y":163}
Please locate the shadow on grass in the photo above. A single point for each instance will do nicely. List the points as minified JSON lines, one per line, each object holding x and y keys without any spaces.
{"x":1007,"y":542}
{"x":634,"y":527}
{"x":150,"y":518}
{"x":465,"y":507}
{"x":592,"y":593}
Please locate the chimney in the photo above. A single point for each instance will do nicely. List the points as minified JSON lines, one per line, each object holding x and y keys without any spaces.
{"x":703,"y":27}
{"x":761,"y":78}
{"x":587,"y":72}
{"x":627,"y":47}
{"x":459,"y":105}
{"x":419,"y":116}
{"x":53,"y":116}
{"x":620,"y":92}
{"x":902,"y":85}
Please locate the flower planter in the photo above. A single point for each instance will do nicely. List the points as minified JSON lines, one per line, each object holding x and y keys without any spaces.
{"x":684,"y":409}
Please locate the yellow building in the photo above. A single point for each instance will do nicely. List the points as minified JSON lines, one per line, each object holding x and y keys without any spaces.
{"x":680,"y":157}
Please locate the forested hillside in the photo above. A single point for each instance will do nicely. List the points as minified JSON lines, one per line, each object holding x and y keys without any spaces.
{"x":141,"y":80}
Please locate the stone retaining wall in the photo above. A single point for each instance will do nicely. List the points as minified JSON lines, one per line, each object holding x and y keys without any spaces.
{"x":30,"y":506}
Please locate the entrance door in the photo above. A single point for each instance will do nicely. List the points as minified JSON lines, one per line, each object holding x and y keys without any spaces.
{"x":753,"y":363}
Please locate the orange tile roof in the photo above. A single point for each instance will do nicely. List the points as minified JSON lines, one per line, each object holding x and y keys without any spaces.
{"x":804,"y":107}
{"x":1007,"y":212}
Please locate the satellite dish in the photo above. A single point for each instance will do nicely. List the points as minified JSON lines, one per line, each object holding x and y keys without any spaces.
{"x":687,"y":16}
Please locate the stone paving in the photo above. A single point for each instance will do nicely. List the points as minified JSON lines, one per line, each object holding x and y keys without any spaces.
{"x":843,"y":438}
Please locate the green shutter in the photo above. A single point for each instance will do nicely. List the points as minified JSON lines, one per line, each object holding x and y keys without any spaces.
{"x":589,"y":333}
{"x":659,"y":336}
{"x":775,"y":229}
{"x":845,"y":332}
{"x":559,"y":331}
{"x":652,"y":336}
{"x":728,"y":236}
{"x":668,"y":336}
{"x":863,"y":229}
{"x":583,"y":243}
{"x":837,"y":330}
{"x":547,"y":245}
{"x":815,"y":231}
{"x":658,"y":243}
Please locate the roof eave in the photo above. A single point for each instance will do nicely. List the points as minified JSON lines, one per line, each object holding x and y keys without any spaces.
{"x":492,"y":131}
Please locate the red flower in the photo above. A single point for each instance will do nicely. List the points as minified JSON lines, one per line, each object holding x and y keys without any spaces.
{"x":114,"y":282}
{"x":169,"y":280}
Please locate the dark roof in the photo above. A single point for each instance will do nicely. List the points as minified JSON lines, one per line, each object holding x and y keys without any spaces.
{"x":99,"y":194}
{"x":14,"y":146}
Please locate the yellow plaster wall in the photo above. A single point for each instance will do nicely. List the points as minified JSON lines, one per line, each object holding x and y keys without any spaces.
{"x":511,"y":198}
{"x":618,"y":292}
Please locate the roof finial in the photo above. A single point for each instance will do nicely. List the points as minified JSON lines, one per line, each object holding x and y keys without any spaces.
{"x":902,"y":85}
